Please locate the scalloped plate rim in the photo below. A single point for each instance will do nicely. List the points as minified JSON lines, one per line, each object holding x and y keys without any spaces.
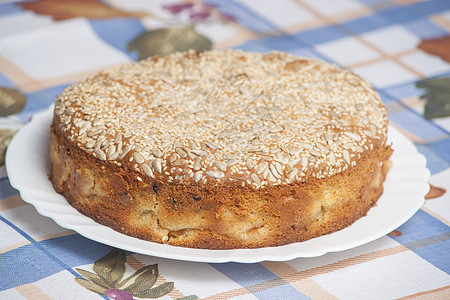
{"x":103,"y":234}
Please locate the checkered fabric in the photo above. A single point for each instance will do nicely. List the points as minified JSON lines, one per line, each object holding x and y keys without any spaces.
{"x":41,"y":55}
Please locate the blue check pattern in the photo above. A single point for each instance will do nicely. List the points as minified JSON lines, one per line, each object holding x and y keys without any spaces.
{"x":38,"y":258}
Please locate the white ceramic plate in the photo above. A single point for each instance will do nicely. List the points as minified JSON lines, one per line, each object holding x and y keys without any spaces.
{"x":406,"y":185}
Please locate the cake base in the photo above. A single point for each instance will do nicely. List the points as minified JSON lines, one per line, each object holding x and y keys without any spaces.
{"x":214,"y":217}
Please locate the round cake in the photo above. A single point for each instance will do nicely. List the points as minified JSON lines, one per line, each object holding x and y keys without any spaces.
{"x":221,"y":149}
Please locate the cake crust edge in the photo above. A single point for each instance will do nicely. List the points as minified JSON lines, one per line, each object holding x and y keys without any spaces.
{"x":212,"y":216}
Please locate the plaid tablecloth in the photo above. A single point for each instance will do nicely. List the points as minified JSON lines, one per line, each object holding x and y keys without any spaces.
{"x":401,"y":46}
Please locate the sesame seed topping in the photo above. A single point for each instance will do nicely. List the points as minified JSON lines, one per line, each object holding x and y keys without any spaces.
{"x":248,"y":118}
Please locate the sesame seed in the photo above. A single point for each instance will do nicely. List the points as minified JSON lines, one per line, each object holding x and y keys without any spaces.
{"x":304,"y":161}
{"x":118,"y":138}
{"x":279,"y":168}
{"x":198,"y":176}
{"x":332,"y":159}
{"x":315,"y":152}
{"x":173,"y":158}
{"x":111,"y":150}
{"x":353,"y":135}
{"x":90,"y":144}
{"x":231,"y":162}
{"x":215,"y":174}
{"x":95,"y":131}
{"x":197,"y":164}
{"x":358,"y":149}
{"x":370,"y":134}
{"x":324,"y":149}
{"x":274,"y":171}
{"x":347,"y":145}
{"x":147,"y":170}
{"x":179,"y":162}
{"x":250,"y":163}
{"x":292,"y":174}
{"x":157,"y":165}
{"x":125,"y":151}
{"x":156,"y":152}
{"x":255,"y":179}
{"x":192,"y":144}
{"x":181,"y":152}
{"x":138,"y":157}
{"x":115,"y":155}
{"x":346,"y":156}
{"x":221,"y":165}
{"x":199,"y":152}
{"x":100,"y":154}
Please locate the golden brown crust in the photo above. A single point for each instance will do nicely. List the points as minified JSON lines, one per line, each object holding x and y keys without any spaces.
{"x":214,"y":217}
{"x":221,"y":150}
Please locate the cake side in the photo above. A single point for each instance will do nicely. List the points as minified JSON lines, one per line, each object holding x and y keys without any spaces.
{"x":214,"y":217}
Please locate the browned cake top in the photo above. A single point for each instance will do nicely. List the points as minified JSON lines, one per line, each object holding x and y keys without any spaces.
{"x":225,"y":117}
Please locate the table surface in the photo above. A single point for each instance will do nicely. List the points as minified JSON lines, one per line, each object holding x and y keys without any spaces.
{"x":401,"y":46}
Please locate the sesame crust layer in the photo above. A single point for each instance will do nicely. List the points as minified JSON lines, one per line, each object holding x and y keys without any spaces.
{"x":227,"y":117}
{"x":221,"y":149}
